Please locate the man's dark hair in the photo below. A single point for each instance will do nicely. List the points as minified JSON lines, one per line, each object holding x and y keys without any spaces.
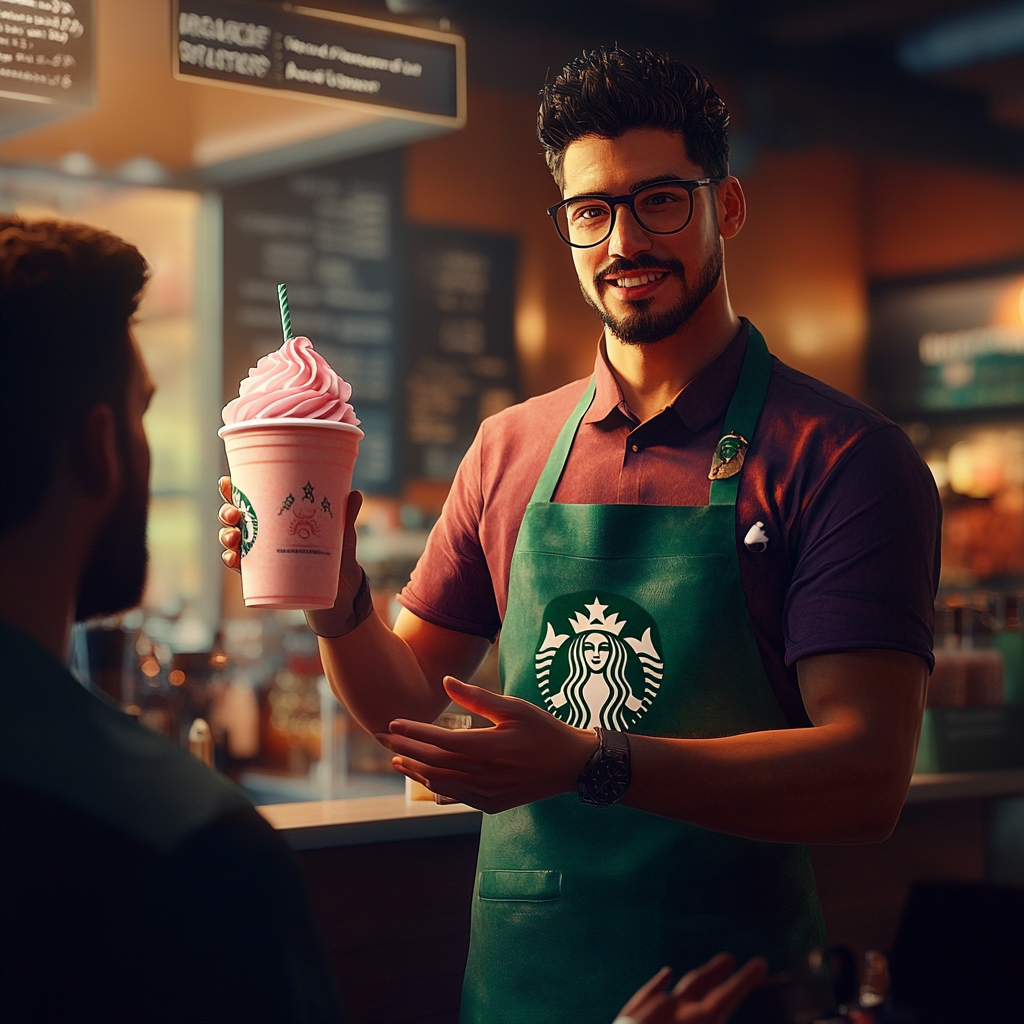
{"x":67,"y":294}
{"x":610,"y":91}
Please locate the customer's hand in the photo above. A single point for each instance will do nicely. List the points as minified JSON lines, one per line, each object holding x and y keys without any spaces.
{"x":707,"y":995}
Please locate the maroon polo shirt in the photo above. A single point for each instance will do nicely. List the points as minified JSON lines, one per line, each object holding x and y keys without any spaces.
{"x":850,"y":511}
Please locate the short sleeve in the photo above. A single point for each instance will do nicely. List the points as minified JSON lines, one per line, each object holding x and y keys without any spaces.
{"x":866,"y":562}
{"x":451,"y":586}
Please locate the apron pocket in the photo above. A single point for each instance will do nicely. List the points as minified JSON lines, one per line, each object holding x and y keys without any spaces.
{"x":522,"y":886}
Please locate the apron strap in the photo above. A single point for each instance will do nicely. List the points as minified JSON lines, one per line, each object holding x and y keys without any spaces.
{"x":745,"y":408}
{"x":552,"y":473}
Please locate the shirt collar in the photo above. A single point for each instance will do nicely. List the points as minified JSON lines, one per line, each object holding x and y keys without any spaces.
{"x":702,"y":402}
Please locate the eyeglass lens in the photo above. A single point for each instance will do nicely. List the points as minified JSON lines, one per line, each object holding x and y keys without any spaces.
{"x":661,"y":209}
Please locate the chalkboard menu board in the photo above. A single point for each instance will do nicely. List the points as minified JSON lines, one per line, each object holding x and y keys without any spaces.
{"x":460,"y":363}
{"x":326,"y":54}
{"x":46,"y":51}
{"x":947,"y":343}
{"x":330,"y":234}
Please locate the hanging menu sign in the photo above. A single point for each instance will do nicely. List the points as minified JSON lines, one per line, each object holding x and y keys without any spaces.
{"x":948,"y":343}
{"x":330,"y":235}
{"x":409,"y":72}
{"x":46,"y":51}
{"x":460,"y":362}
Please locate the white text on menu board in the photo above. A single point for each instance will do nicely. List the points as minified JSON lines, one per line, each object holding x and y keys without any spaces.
{"x":32,"y":22}
{"x":219,"y":58}
{"x":256,"y":65}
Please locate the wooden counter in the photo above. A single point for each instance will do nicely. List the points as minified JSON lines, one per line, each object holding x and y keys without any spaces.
{"x":321,"y":824}
{"x":391,"y":884}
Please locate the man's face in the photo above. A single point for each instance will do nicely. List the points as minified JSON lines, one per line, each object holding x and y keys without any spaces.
{"x":681,"y":269}
{"x":115,"y":575}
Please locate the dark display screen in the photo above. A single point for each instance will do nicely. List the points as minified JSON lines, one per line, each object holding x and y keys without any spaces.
{"x":330,"y":235}
{"x":948,"y":343}
{"x":460,"y":362}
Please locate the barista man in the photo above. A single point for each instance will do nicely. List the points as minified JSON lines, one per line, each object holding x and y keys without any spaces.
{"x":713,"y":578}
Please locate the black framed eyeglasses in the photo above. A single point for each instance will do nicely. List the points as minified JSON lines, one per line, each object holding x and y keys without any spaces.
{"x":662,"y":209}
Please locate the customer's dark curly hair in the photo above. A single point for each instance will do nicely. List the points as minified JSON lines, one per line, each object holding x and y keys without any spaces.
{"x":610,"y":91}
{"x":67,"y":295}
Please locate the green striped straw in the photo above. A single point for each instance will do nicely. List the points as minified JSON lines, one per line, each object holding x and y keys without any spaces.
{"x":286,"y":317}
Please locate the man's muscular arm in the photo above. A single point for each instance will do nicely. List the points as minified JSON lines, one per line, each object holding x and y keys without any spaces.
{"x":841,"y":781}
{"x":381,"y":674}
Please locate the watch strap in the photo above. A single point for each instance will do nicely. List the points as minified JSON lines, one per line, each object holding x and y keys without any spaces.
{"x":332,"y":623}
{"x":608,"y":772}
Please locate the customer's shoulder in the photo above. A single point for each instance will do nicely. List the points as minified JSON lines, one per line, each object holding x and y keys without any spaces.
{"x":63,"y":741}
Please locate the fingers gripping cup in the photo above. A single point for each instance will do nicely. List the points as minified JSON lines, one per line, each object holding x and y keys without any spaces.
{"x":292,"y":439}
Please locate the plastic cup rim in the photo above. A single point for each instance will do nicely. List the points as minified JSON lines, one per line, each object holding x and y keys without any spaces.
{"x":284,"y":421}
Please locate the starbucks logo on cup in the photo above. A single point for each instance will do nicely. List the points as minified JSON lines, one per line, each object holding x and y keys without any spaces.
{"x":249,"y":524}
{"x":599,"y":660}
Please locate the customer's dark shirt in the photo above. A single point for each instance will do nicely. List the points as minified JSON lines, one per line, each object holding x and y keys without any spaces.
{"x":137,"y":885}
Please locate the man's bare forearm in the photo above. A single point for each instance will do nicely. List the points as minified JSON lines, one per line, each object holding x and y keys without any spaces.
{"x":788,"y":786}
{"x":842,"y":781}
{"x":381,"y":674}
{"x":376,"y":675}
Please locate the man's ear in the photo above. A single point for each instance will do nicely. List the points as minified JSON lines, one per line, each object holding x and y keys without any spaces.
{"x":730,"y":207}
{"x":96,"y":455}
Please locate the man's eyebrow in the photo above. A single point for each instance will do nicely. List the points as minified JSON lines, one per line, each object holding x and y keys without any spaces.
{"x":637,"y":185}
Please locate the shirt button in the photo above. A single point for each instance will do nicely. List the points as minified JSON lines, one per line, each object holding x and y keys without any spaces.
{"x":636,"y":448}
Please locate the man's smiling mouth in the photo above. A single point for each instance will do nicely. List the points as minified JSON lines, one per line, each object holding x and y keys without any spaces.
{"x":635,"y":280}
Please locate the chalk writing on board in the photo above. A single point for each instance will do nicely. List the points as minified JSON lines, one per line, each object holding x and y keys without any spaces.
{"x":330,"y":235}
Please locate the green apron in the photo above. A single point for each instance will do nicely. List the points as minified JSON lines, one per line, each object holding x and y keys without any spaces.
{"x":631,"y":617}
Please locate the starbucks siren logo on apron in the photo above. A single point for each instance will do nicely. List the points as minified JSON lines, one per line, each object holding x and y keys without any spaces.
{"x":599,"y":660}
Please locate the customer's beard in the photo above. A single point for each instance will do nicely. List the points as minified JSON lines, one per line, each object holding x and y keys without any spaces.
{"x":644,"y":328}
{"x":115,"y":575}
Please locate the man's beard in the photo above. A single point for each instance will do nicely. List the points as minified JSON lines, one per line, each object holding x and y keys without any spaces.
{"x":642,"y":327}
{"x":115,"y":575}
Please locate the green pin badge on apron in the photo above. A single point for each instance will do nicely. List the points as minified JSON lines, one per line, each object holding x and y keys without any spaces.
{"x":631,"y":617}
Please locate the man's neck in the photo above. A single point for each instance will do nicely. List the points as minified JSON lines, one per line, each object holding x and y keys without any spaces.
{"x":651,"y":375}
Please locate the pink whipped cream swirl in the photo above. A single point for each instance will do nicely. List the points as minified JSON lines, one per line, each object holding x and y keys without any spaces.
{"x":295,"y":382}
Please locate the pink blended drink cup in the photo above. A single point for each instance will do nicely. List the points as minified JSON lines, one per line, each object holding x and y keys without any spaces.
{"x":291,"y":438}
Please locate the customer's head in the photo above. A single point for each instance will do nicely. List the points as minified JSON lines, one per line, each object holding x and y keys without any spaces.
{"x":609,"y":92}
{"x":68,"y":293}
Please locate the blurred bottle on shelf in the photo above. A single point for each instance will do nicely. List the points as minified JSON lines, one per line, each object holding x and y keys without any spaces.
{"x":332,"y":770}
{"x":1009,"y":641}
{"x":200,"y":742}
{"x":974,"y":719}
{"x":290,"y":715}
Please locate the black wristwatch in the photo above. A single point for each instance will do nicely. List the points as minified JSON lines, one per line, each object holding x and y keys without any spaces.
{"x":607,"y":774}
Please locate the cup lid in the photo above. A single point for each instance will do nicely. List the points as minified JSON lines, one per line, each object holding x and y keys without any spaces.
{"x":287,"y":421}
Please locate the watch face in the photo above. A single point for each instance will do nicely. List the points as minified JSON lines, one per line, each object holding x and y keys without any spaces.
{"x":608,"y":780}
